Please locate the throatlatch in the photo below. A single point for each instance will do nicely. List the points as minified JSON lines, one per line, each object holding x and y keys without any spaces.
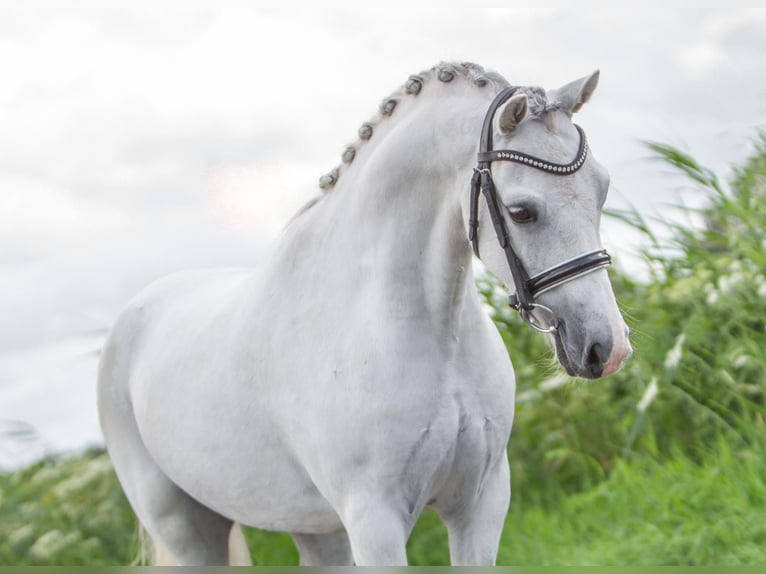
{"x":482,"y":184}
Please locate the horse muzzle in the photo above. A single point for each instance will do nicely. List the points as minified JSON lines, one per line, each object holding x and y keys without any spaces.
{"x":600,"y":353}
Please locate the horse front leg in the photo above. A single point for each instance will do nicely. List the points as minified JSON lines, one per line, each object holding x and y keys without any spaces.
{"x":324,"y":549}
{"x":475,"y":530}
{"x":377,"y":531}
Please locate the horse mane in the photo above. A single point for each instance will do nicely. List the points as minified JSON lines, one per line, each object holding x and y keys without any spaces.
{"x":443,"y":72}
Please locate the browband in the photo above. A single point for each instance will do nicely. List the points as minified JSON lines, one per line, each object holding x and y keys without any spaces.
{"x":536,"y":162}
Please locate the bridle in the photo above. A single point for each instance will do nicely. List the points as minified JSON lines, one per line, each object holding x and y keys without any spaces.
{"x":527,"y":288}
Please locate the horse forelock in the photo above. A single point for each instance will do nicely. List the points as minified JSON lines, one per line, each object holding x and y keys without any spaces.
{"x":538,"y":102}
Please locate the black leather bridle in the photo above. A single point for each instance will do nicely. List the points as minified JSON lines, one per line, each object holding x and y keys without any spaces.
{"x":527,"y":288}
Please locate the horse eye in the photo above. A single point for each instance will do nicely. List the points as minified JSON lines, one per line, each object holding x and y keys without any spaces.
{"x":522,"y":214}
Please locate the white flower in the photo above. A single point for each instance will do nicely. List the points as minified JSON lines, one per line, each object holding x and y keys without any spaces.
{"x":674,"y":355}
{"x":725,"y":284}
{"x":712,"y":294}
{"x":649,"y":394}
{"x":21,"y":535}
{"x":760,"y":282}
{"x":51,"y":543}
{"x":78,"y":482}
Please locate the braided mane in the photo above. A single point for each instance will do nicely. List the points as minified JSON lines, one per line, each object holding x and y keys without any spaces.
{"x":443,"y":72}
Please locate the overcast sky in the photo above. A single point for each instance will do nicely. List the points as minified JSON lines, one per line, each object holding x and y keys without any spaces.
{"x":139,"y":138}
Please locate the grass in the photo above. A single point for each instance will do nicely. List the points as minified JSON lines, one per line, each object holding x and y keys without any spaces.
{"x":646,"y":512}
{"x":676,"y":512}
{"x":67,"y":511}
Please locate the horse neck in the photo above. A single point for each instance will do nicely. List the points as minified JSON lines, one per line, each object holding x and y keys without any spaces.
{"x":395,"y":215}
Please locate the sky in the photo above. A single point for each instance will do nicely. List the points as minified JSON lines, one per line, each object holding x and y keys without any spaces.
{"x":138,"y":138}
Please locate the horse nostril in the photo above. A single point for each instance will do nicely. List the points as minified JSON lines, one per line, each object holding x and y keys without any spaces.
{"x":597,"y":358}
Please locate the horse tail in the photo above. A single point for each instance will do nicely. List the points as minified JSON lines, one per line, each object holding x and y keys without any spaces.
{"x":152,"y":553}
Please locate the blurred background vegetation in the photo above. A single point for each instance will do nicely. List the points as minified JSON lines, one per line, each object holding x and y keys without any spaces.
{"x":663,"y":463}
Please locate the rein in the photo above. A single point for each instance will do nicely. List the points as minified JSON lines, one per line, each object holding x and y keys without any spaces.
{"x":482,"y":184}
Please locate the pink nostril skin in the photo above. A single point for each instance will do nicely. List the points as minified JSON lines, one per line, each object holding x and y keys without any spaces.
{"x":621,"y":350}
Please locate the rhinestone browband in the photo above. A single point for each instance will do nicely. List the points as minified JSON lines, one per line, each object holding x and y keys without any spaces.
{"x":536,"y":162}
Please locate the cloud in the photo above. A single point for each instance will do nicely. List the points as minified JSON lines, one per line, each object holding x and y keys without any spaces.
{"x":726,"y":36}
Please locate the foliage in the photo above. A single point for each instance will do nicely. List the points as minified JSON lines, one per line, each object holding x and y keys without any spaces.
{"x":699,"y":334}
{"x":67,"y":511}
{"x":663,"y":463}
{"x":649,"y":512}
{"x":72,"y":511}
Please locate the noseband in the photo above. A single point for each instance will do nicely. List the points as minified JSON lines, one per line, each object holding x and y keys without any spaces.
{"x":526,"y":287}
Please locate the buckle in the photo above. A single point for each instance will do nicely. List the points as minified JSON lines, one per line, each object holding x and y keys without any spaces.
{"x":528,"y":315}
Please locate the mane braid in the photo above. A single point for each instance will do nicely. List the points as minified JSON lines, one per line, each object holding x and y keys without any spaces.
{"x":443,"y":72}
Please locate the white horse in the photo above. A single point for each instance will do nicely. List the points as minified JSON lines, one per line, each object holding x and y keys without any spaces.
{"x":354,"y":378}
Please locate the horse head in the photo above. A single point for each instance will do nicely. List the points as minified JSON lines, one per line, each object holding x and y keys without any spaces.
{"x":546,"y":216}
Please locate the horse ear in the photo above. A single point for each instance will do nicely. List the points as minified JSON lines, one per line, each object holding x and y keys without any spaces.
{"x":572,"y":96}
{"x":513,"y":113}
